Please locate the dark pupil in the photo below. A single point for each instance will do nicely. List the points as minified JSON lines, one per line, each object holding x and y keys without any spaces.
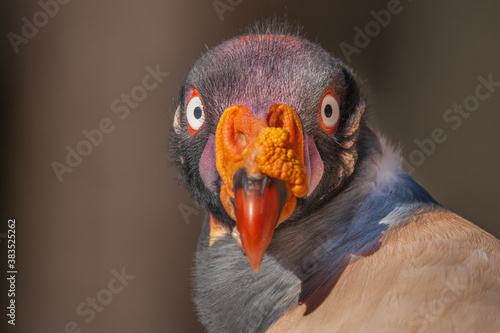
{"x":197,"y":112}
{"x":328,"y":111}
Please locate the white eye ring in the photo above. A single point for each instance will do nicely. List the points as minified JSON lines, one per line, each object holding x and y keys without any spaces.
{"x":195,"y":114}
{"x":329,"y":112}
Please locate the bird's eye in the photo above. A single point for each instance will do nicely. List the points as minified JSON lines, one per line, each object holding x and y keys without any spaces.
{"x":329,"y":112}
{"x":194,"y":113}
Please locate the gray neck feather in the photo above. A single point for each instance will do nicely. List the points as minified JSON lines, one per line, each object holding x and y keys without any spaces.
{"x":305,"y":257}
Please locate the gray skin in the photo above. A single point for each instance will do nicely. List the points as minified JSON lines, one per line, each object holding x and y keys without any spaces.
{"x":340,"y":218}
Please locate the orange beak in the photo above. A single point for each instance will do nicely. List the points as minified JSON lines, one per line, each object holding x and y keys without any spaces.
{"x":261,"y":164}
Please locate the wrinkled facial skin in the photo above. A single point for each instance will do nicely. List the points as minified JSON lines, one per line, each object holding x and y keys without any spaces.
{"x":259,"y":71}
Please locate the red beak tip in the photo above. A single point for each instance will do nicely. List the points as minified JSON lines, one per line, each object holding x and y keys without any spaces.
{"x":255,"y":263}
{"x":257,"y":208}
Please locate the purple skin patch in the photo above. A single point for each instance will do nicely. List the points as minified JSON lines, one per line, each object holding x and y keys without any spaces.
{"x":208,"y":171}
{"x":312,"y":160}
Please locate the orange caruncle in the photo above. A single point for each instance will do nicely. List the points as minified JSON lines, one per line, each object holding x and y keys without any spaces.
{"x":276,"y":160}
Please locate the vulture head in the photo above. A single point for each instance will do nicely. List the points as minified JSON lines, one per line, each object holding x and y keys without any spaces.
{"x":266,"y":131}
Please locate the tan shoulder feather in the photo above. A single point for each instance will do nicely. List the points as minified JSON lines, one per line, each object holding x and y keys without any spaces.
{"x":438,"y":273}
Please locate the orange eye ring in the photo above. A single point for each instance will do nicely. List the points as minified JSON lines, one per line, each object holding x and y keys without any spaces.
{"x":195,"y":113}
{"x":329,"y":112}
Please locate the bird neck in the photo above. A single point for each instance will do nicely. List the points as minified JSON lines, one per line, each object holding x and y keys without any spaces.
{"x":307,"y":256}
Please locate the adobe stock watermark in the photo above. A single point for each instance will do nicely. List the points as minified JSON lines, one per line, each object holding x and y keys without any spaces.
{"x":223,"y":6}
{"x":89,"y":308}
{"x":30,"y":27}
{"x":94,"y":137}
{"x":187,"y":211}
{"x":373,"y":28}
{"x":432,"y":311}
{"x":454,"y":118}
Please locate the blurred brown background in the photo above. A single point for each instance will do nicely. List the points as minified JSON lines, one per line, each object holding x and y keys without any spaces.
{"x":121,"y":206}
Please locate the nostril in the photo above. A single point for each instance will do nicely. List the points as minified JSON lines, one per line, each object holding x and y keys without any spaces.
{"x":240,"y":139}
{"x":274,"y":119}
{"x":283,"y":116}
